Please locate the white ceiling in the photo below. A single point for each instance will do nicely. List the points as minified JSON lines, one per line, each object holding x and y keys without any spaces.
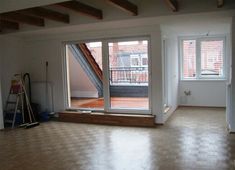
{"x":194,"y":16}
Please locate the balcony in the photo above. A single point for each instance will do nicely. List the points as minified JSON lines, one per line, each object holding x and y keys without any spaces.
{"x":129,"y":76}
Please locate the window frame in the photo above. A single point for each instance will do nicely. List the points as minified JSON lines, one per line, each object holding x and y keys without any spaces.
{"x":198,"y":40}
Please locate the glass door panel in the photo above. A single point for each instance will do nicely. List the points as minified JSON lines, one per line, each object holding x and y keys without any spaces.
{"x":129,"y":75}
{"x":84,"y":65}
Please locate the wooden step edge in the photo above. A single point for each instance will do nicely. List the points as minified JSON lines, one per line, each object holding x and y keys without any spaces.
{"x":111,"y":114}
{"x":108,"y":119}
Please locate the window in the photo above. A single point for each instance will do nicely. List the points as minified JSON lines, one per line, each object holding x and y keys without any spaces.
{"x":144,"y":60}
{"x":211,"y":58}
{"x":189,"y":58}
{"x":135,"y":60}
{"x":202,"y":58}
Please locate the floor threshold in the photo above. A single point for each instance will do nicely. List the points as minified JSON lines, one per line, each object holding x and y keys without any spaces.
{"x":108,"y":118}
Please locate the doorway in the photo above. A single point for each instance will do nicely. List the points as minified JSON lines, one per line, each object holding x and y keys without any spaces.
{"x":108,"y":76}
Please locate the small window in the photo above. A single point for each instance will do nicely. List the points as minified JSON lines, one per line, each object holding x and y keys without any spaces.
{"x":135,"y":60}
{"x":202,"y":58}
{"x":144,"y":60}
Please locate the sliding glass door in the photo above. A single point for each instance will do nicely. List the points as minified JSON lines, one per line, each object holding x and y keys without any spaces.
{"x":109,"y":75}
{"x":128,"y":72}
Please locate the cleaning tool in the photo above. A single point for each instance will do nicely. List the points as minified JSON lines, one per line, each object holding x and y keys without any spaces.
{"x":18,"y":89}
{"x":15,"y":101}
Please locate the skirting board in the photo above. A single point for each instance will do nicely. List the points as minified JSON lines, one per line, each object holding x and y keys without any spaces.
{"x":82,"y":94}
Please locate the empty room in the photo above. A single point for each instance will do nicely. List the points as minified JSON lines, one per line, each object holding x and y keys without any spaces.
{"x":117,"y":84}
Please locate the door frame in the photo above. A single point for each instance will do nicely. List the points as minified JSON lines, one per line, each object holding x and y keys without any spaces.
{"x":105,"y":65}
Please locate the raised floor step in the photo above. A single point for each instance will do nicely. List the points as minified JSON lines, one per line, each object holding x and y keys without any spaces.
{"x":108,"y":119}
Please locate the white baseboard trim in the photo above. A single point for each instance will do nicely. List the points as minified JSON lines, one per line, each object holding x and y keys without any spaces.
{"x":88,"y":94}
{"x":195,"y":105}
{"x":203,"y":105}
{"x":168,"y":114}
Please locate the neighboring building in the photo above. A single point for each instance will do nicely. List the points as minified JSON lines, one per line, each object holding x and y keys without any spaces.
{"x":128,"y":61}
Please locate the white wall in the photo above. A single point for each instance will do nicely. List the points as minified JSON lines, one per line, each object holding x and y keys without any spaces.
{"x":80,"y":84}
{"x":171,"y":54}
{"x":37,"y":51}
{"x":12,"y":62}
{"x":35,"y":54}
{"x":231,"y":114}
{"x":207,"y":92}
{"x":1,"y":110}
{"x":203,"y":93}
{"x":35,"y":48}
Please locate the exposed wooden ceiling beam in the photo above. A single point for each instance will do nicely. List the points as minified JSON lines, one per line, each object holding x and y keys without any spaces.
{"x":126,"y":6}
{"x":8,"y":25}
{"x":82,"y":8}
{"x":172,"y":4}
{"x":220,"y":3}
{"x":22,"y":18}
{"x":47,"y":14}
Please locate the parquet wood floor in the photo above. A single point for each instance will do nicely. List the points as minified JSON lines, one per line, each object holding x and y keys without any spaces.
{"x":193,"y":139}
{"x":116,"y":102}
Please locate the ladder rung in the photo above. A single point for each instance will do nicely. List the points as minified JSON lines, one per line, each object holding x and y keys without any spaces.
{"x":17,"y":93}
{"x":11,"y":102}
{"x":11,"y":111}
{"x":8,"y":121}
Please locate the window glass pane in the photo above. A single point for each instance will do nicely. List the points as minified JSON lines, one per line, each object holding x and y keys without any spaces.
{"x":82,"y":87}
{"x":95,"y":49}
{"x":128,"y":63}
{"x":212,"y":58}
{"x":128,"y":71}
{"x":189,"y":58}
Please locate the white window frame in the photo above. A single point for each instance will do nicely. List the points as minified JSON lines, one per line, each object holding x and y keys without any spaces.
{"x":198,"y":40}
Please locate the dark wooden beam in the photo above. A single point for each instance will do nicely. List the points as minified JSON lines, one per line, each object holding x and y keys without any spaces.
{"x":220,"y":3}
{"x":47,"y":14}
{"x":8,"y":25}
{"x":22,"y":18}
{"x":82,"y":8}
{"x":172,"y":4}
{"x":125,"y":5}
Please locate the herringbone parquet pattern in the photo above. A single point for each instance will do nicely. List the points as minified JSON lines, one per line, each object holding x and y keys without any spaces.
{"x":193,"y":138}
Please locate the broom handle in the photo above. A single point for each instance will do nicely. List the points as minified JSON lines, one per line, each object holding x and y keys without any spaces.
{"x":46,"y":95}
{"x":30,"y":111}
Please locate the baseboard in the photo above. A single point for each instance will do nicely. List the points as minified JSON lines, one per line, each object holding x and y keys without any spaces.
{"x":202,"y":106}
{"x":83,"y":94}
{"x":169,"y":113}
